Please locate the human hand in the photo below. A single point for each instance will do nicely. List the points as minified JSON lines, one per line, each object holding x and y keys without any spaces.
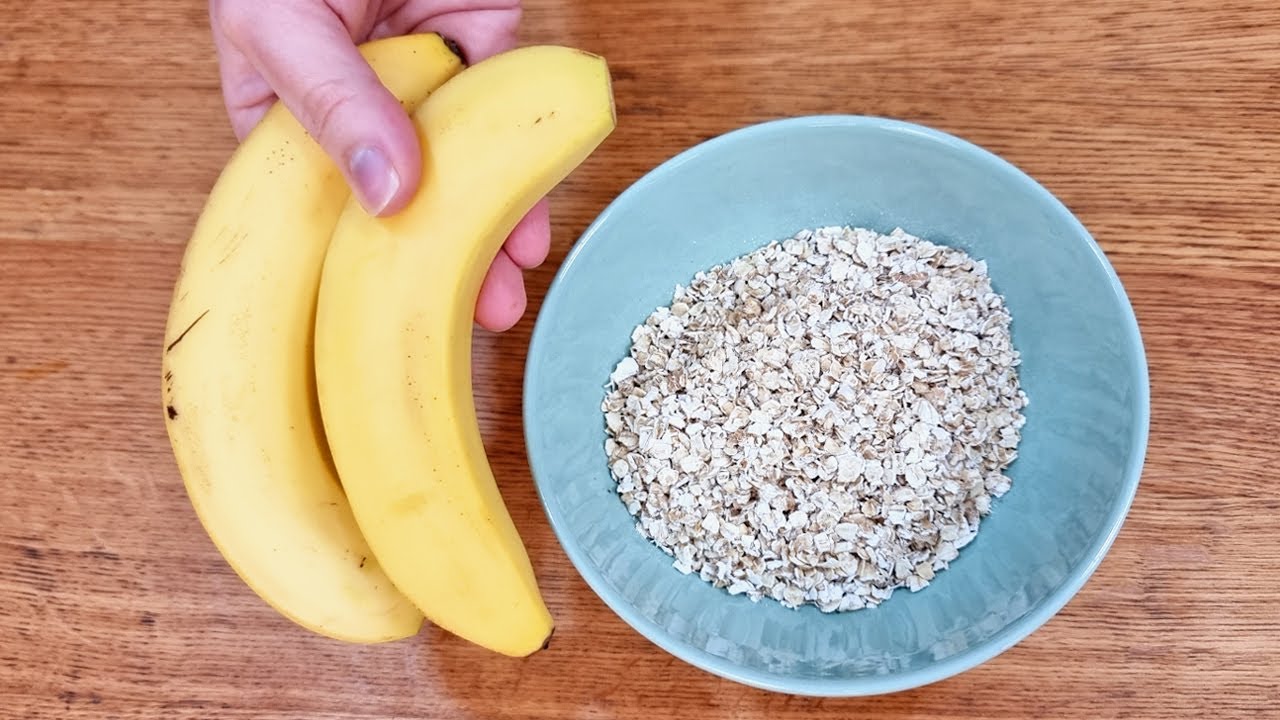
{"x":303,"y":52}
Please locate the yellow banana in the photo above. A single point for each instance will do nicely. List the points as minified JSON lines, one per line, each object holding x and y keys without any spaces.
{"x":239,"y":391}
{"x":393,"y":337}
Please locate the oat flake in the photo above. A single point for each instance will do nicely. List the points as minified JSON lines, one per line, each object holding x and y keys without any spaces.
{"x":823,"y":420}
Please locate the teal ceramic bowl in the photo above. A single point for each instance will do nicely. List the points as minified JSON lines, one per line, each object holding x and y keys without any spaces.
{"x":1083,"y":368}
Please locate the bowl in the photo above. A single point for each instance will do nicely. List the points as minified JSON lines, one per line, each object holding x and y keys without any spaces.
{"x":1082,"y":366}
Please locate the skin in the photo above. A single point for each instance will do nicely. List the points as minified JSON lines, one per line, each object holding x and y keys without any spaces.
{"x":303,"y":52}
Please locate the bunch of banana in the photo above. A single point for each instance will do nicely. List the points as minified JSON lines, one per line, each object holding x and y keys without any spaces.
{"x":317,"y":380}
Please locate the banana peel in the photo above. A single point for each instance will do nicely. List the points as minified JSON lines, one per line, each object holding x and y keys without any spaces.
{"x":393,"y":337}
{"x":239,"y":397}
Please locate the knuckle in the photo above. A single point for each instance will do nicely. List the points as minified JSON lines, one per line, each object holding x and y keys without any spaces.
{"x":236,"y":18}
{"x":351,"y":12}
{"x":323,"y":106}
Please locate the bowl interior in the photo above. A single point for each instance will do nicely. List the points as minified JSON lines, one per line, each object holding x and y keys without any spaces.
{"x":1082,"y":367}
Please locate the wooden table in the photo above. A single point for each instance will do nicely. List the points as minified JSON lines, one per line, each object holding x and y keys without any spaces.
{"x":1159,"y":124}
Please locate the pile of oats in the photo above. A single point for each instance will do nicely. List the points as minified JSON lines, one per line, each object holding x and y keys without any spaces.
{"x":820,"y":421}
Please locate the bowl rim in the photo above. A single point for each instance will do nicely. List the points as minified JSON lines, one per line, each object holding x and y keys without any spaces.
{"x":1007,"y":637}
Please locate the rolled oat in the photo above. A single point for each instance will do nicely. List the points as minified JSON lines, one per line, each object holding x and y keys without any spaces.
{"x":822,"y":420}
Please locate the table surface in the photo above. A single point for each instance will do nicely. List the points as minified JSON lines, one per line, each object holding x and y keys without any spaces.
{"x":1156,"y":122}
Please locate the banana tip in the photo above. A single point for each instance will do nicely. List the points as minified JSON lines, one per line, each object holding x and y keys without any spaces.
{"x":454,"y":48}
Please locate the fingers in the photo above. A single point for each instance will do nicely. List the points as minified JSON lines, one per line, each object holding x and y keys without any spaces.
{"x":530,"y":240}
{"x":481,"y":32}
{"x":480,"y":27}
{"x":318,"y":73}
{"x":502,"y":297}
{"x":245,"y":94}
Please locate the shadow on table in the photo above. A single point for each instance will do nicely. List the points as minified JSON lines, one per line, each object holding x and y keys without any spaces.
{"x":597,"y":666}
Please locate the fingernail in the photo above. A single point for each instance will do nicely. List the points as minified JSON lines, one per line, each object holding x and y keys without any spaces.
{"x":375,"y":180}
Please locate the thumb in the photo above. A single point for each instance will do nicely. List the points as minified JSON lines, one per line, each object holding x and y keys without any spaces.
{"x":320,"y":76}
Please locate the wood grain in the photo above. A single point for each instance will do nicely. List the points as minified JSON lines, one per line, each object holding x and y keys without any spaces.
{"x":1157,"y":122}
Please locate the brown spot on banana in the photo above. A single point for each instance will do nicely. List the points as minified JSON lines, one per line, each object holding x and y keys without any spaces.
{"x":177,"y":340}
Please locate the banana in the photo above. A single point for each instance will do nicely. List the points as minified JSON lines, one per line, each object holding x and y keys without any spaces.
{"x":393,"y":338}
{"x":239,"y":394}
